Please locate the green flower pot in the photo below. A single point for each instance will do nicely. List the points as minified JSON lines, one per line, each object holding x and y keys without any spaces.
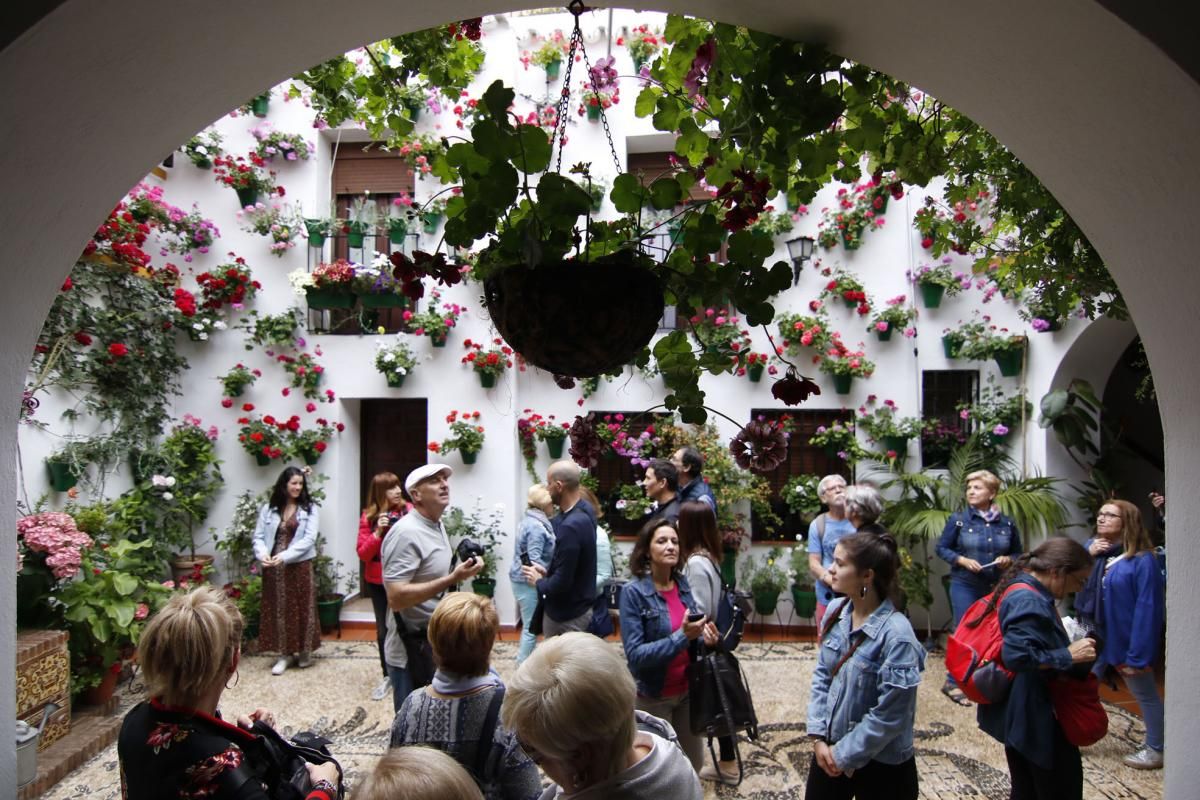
{"x":883,"y":196}
{"x":329,"y":611}
{"x":729,"y":567}
{"x":382,"y":300}
{"x":897,"y":443}
{"x":328,"y":298}
{"x":851,"y":240}
{"x":396,"y":381}
{"x":263,"y":461}
{"x":552,"y":70}
{"x":1010,"y":361}
{"x":260,"y":104}
{"x":316,"y":232}
{"x":414,"y":109}
{"x":247,"y":196}
{"x":850,"y":303}
{"x":487,"y":380}
{"x":356,"y":235}
{"x":430,"y":219}
{"x":804,"y":600}
{"x":311,"y":457}
{"x":842,"y":383}
{"x":484,"y":586}
{"x":468,"y":458}
{"x":884,"y":335}
{"x":203,"y":163}
{"x":931,"y":294}
{"x":555,"y":446}
{"x":951,"y":345}
{"x":593,"y":113}
{"x":438,"y":341}
{"x":765,"y":603}
{"x":755,"y":372}
{"x":62,"y":477}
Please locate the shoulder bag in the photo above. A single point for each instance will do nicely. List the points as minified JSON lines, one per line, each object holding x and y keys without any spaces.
{"x":719,"y":699}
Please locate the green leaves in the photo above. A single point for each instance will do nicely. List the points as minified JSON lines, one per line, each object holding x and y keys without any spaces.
{"x":628,"y":195}
{"x":692,"y":143}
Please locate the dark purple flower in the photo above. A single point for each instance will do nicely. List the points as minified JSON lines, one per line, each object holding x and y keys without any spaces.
{"x":794,"y":388}
{"x":586,"y":444}
{"x":760,"y":446}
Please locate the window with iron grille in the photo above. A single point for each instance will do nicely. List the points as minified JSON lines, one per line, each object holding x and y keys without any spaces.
{"x":614,"y":471}
{"x":942,"y":391}
{"x":802,"y":459}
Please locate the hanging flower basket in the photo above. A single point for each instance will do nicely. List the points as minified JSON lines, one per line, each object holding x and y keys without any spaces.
{"x":263,"y":461}
{"x":555,"y":446}
{"x":260,"y":104}
{"x":397,"y":231}
{"x":328,"y":298}
{"x":484,"y":586}
{"x":552,"y":70}
{"x":593,"y":113}
{"x":438,"y":341}
{"x":1010,"y":361}
{"x":62,"y":477}
{"x":431,"y":220}
{"x":931,"y":294}
{"x":842,"y":383}
{"x":577,"y":319}
{"x":884,"y":335}
{"x":316,"y":232}
{"x":247,"y":196}
{"x":356,"y":234}
{"x":951,"y":344}
{"x":755,"y":372}
{"x":414,"y":109}
{"x":487,"y":380}
{"x":468,"y":457}
{"x":396,"y":381}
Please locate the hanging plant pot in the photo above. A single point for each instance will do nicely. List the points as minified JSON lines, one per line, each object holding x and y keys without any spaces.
{"x":62,"y":477}
{"x":593,"y":113}
{"x":1052,"y":325}
{"x":328,"y":298}
{"x":438,"y":341}
{"x":577,"y":319}
{"x":203,"y":163}
{"x":247,"y":196}
{"x":850,"y":303}
{"x":931,"y":294}
{"x":430,"y":219}
{"x":766,"y":602}
{"x":414,"y":109}
{"x":316,"y":232}
{"x":397,"y":231}
{"x":260,"y":104}
{"x":842,"y":383}
{"x":555,"y":446}
{"x":755,"y":372}
{"x":487,"y":380}
{"x":263,"y":461}
{"x":804,"y":601}
{"x":484,"y":586}
{"x":552,"y":70}
{"x":951,"y":345}
{"x":851,"y":238}
{"x":382,"y":300}
{"x":311,"y":457}
{"x":329,"y":611}
{"x":396,"y":381}
{"x":729,"y":568}
{"x":638,"y":63}
{"x":1010,"y":361}
{"x":880,"y":201}
{"x":468,"y":457}
{"x":884,"y":335}
{"x":897,"y":443}
{"x":356,"y":234}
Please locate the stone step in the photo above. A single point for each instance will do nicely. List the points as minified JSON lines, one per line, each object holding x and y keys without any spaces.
{"x":92,"y":729}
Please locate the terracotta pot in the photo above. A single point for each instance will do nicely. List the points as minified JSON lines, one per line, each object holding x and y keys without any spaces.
{"x":182,"y":566}
{"x":101,"y":694}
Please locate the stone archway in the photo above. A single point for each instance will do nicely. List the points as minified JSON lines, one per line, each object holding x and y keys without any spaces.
{"x":1106,"y":119}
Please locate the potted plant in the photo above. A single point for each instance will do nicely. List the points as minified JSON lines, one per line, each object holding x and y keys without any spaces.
{"x":485,"y":529}
{"x":804,"y":596}
{"x":273,"y":330}
{"x":897,"y":316}
{"x":631,"y":502}
{"x":733,"y":536}
{"x":202,"y":148}
{"x":309,"y":444}
{"x":248,"y":178}
{"x":229,"y":284}
{"x":799,"y":494}
{"x":260,"y":103}
{"x":849,"y":288}
{"x":1007,"y":349}
{"x":62,"y":472}
{"x":432,"y":213}
{"x":466,"y":436}
{"x":277,"y":220}
{"x":398,"y":217}
{"x":490,"y":363}
{"x":553,"y":434}
{"x":332,"y":285}
{"x":765,"y":578}
{"x":286,"y":146}
{"x":435,"y":321}
{"x":234,"y":382}
{"x":839,"y":441}
{"x":327,"y":573}
{"x":236,"y":542}
{"x":395,"y":361}
{"x":597,"y":190}
{"x":772,"y":223}
{"x":845,"y":364}
{"x":246,"y":593}
{"x":259,"y":436}
{"x":995,"y":416}
{"x":361,"y":221}
{"x":756,"y":364}
{"x":938,"y":281}
{"x":376,"y":287}
{"x":643,"y":43}
{"x":798,"y":330}
{"x":856,"y":211}
{"x":600,"y":91}
{"x":548,"y":55}
{"x":883,"y":425}
{"x":954,"y":338}
{"x":50,"y":550}
{"x":305,"y":372}
{"x":320,"y":228}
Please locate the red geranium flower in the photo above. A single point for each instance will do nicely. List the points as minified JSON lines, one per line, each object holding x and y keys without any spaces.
{"x":117,"y":349}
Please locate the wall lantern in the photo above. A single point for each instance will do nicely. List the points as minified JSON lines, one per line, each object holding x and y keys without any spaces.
{"x":800,"y":250}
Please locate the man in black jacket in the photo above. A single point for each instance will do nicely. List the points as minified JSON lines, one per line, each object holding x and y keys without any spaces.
{"x":568,"y":587}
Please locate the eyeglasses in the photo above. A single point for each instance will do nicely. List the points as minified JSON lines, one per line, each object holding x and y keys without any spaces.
{"x":1107,"y":515}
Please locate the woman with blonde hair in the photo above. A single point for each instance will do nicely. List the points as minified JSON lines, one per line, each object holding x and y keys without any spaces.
{"x":459,"y":711}
{"x":571,"y":707}
{"x":534,"y":544}
{"x":979,"y":543}
{"x":418,"y":773}
{"x":385,"y":505}
{"x":176,"y":744}
{"x":1124,"y":602}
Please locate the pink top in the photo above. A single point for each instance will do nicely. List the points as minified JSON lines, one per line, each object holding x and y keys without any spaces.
{"x":676,"y":681}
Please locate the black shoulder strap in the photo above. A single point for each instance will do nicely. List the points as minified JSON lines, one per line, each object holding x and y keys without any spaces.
{"x":487,"y":736}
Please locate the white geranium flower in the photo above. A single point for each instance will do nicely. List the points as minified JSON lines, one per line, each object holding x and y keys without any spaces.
{"x":389,"y":357}
{"x":197,"y":326}
{"x":168,"y":496}
{"x":158,"y":480}
{"x":169,"y":481}
{"x":220,"y":325}
{"x":203,"y":337}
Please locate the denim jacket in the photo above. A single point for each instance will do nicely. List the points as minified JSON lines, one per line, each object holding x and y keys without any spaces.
{"x":866,"y":711}
{"x":646,"y":633}
{"x":968,"y":534}
{"x":304,"y":543}
{"x":535,"y":537}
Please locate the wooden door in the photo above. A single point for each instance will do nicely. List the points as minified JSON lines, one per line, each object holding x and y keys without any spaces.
{"x":394,"y":438}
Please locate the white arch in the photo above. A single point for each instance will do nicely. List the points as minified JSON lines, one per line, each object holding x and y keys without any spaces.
{"x":1104,"y":118}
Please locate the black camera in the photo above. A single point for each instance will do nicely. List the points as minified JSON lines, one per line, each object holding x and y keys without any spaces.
{"x":468,"y":549}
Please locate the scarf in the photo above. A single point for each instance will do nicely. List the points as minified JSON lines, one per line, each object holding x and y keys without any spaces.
{"x":450,"y":683}
{"x":1089,"y":602}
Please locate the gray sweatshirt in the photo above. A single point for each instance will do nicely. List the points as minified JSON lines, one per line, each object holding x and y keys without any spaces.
{"x":665,"y":772}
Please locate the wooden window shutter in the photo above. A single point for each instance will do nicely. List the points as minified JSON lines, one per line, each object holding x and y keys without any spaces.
{"x":362,"y":167}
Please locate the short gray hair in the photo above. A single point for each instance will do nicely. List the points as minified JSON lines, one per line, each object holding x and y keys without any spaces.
{"x":827,"y":482}
{"x":863,"y":502}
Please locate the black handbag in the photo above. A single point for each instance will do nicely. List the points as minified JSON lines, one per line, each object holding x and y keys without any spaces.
{"x":719,"y":701}
{"x":283,"y":765}
{"x":537,"y":621}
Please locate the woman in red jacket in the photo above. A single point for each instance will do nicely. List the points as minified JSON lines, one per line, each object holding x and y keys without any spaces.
{"x":385,"y":505}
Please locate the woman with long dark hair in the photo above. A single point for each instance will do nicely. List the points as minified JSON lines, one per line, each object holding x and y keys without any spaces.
{"x":1041,"y":762}
{"x":385,"y":505}
{"x":659,"y":621}
{"x":289,"y":597}
{"x":863,"y":700}
{"x":701,"y":552}
{"x":1124,"y":601}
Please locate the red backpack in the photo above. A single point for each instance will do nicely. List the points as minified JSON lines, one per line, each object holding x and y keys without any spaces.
{"x":973,"y":651}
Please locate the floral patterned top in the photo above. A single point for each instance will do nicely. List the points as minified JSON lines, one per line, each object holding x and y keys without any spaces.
{"x":168,"y":752}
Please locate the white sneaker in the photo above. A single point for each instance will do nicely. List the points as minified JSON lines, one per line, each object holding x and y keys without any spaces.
{"x":281,"y":665}
{"x":1146,"y":758}
{"x":381,"y":691}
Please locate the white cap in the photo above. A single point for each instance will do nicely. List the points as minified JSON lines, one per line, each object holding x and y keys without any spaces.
{"x":422,"y":473}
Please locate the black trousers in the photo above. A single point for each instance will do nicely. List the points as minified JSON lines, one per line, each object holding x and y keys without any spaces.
{"x":875,"y":781}
{"x":1031,"y":782}
{"x":379,"y":605}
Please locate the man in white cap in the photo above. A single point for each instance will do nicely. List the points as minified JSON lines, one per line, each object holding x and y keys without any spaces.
{"x":416,"y":573}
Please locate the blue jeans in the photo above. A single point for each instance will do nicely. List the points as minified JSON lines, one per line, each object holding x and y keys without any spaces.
{"x":527,"y":598}
{"x":962,"y":595}
{"x":401,"y":685}
{"x":1145,"y":690}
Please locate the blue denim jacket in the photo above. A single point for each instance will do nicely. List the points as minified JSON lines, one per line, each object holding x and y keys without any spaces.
{"x":535,"y":537}
{"x":646,"y":633}
{"x":866,"y":711}
{"x":968,"y":534}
